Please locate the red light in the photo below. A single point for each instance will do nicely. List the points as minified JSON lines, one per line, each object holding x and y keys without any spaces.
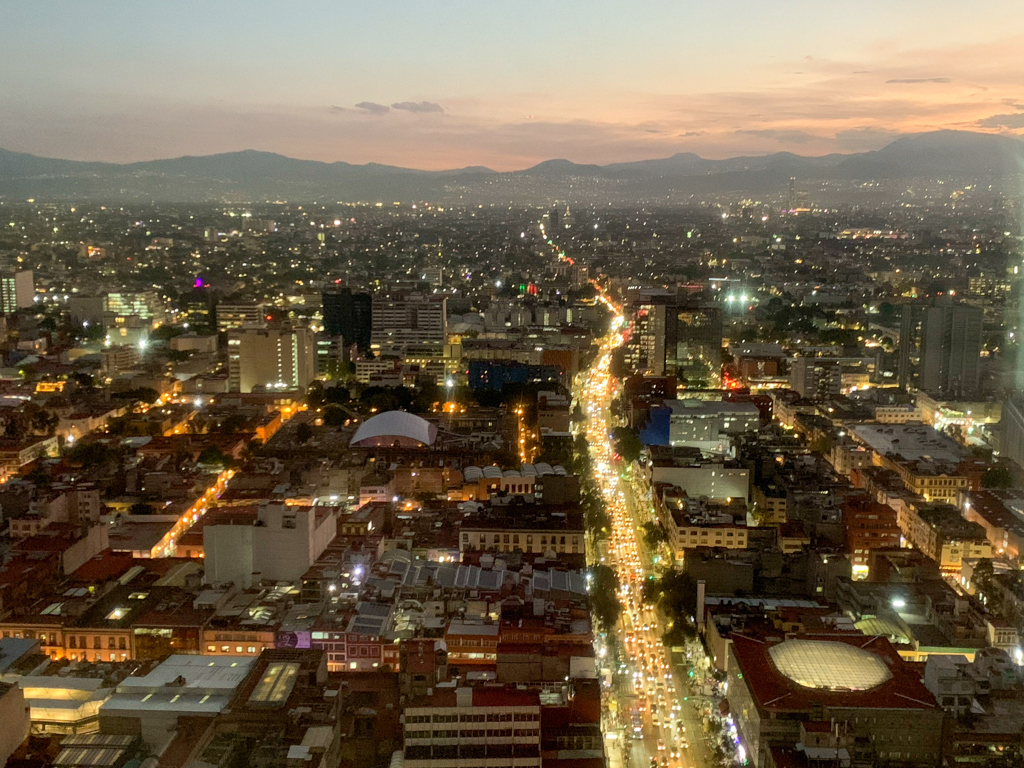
{"x":267,"y":317}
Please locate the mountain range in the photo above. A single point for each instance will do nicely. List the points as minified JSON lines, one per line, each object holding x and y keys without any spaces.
{"x":251,"y":176}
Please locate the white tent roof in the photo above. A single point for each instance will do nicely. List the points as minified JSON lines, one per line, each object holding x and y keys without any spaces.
{"x":397,"y":424}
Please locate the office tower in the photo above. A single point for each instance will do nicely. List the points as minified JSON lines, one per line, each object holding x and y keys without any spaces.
{"x":816,"y":378}
{"x":645,"y":350}
{"x":349,"y":315}
{"x":412,"y":319}
{"x":231,"y":317}
{"x":950,"y":349}
{"x":199,"y":307}
{"x":1011,"y":430}
{"x":555,"y":217}
{"x":677,"y":337}
{"x":698,"y":348}
{"x":270,"y":358}
{"x":331,"y":356}
{"x":910,"y":322}
{"x":145,"y":305}
{"x":17,"y":290}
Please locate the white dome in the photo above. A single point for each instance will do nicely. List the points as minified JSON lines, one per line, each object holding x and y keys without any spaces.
{"x":394,"y":427}
{"x":835,"y":666}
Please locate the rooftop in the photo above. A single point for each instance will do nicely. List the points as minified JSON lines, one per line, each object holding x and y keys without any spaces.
{"x":832,"y":666}
{"x":832,"y":670}
{"x":911,"y":442}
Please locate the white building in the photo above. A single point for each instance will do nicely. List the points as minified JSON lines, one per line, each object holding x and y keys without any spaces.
{"x":712,"y":479}
{"x":415,"y":319}
{"x":284,"y":542}
{"x":273,"y":358}
{"x":183,"y":685}
{"x":710,"y":425}
{"x":467,"y":726}
{"x":231,"y":317}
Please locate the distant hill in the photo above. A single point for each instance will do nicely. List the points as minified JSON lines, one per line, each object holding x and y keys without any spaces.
{"x":253,"y":176}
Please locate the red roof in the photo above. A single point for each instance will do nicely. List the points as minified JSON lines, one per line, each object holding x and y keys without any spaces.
{"x":772,"y":690}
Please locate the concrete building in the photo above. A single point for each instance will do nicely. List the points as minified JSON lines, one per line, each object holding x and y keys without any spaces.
{"x":413,"y":319}
{"x":816,"y":378}
{"x":281,"y":546}
{"x":950,"y":349}
{"x":942,"y":533}
{"x":14,"y":719}
{"x":857,"y":683}
{"x":676,"y":336}
{"x":698,"y":477}
{"x":231,"y":317}
{"x":145,"y":305}
{"x":507,"y":527}
{"x":1001,"y":514}
{"x":691,"y":523}
{"x":1011,"y":431}
{"x":149,"y":706}
{"x":869,"y":526}
{"x":710,"y":425}
{"x":17,"y":291}
{"x":467,"y":726}
{"x":272,"y":358}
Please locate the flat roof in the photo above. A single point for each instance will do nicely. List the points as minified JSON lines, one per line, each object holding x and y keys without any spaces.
{"x":223,"y":673}
{"x":913,"y":442}
{"x":276,"y":684}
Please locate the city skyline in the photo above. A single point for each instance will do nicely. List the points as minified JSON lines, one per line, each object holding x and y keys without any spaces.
{"x":449,"y":86}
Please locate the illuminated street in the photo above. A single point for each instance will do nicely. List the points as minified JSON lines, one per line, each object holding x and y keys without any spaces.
{"x":657,"y":721}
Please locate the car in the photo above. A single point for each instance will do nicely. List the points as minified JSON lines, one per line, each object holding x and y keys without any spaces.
{"x":661,"y":745}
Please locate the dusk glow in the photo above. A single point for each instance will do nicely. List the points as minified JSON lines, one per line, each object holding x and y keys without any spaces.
{"x":441,"y":85}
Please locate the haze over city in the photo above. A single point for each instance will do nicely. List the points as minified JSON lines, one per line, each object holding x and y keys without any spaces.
{"x":505,"y":85}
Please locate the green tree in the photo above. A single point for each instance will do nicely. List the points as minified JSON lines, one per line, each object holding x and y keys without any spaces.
{"x":604,"y":597}
{"x":334,"y":416}
{"x":213,"y":455}
{"x":654,"y":534}
{"x":627,"y":444}
{"x":303,"y":433}
{"x":997,"y":477}
{"x":141,"y":508}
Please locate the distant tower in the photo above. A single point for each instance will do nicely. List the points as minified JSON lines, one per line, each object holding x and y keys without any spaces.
{"x":791,"y":198}
{"x":555,"y":218}
{"x":950,"y":348}
{"x":909,"y":321}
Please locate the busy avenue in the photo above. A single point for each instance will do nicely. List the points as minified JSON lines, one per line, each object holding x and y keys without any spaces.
{"x":650,"y":721}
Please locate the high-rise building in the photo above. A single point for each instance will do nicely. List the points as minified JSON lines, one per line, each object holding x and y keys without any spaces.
{"x":412,"y":319}
{"x":270,"y":358}
{"x":349,"y":315}
{"x":234,"y":316}
{"x":677,"y":337}
{"x":1011,"y":430}
{"x":816,"y":378}
{"x":698,"y":350}
{"x":950,"y":349}
{"x":146,"y":305}
{"x":17,"y":290}
{"x":910,"y":323}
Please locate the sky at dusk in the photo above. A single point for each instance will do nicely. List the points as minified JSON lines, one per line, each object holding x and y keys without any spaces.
{"x":503,"y":84}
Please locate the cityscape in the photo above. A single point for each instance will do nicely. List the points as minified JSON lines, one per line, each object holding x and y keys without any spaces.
{"x":451,"y":444}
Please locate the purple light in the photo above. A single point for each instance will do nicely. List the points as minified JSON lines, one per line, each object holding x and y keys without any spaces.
{"x":199,"y":282}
